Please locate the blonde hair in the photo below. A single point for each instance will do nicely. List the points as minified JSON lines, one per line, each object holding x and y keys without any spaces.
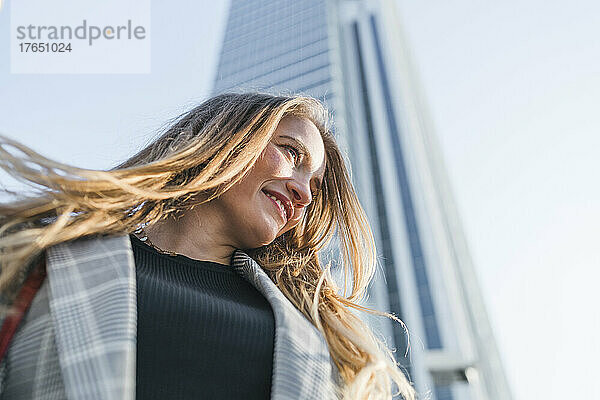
{"x":203,"y":154}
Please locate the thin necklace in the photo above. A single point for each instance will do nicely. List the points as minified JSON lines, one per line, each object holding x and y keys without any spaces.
{"x":143,"y":236}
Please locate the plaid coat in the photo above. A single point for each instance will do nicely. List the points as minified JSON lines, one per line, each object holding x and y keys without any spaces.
{"x":78,"y":339}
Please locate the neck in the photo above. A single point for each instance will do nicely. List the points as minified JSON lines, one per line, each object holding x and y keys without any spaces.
{"x":194,"y":235}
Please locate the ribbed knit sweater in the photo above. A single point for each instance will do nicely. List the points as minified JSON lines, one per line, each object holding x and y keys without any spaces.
{"x":203,"y":331}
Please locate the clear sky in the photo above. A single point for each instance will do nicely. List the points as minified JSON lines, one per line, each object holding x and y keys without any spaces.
{"x":513,"y":89}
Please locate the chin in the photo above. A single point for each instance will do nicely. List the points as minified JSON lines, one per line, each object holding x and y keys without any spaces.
{"x":261,"y":237}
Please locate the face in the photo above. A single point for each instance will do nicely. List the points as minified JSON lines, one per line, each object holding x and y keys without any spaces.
{"x":272,"y":197}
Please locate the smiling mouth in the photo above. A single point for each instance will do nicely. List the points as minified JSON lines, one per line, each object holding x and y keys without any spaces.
{"x":277,"y":203}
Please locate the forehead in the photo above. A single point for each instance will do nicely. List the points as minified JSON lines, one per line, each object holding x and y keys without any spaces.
{"x":299,"y":127}
{"x":304,"y":131}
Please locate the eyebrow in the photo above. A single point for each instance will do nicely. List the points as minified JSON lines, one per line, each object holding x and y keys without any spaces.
{"x":305,"y":151}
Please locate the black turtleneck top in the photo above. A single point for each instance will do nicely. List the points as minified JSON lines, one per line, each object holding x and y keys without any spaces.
{"x":203,"y":331}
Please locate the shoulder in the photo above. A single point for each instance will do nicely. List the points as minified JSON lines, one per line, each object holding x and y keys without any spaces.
{"x":301,"y":354}
{"x":91,"y":247}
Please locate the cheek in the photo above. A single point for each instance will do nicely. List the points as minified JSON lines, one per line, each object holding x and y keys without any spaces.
{"x":272,"y":164}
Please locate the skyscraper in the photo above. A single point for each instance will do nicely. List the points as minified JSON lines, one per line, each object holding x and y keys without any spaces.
{"x":351,"y":55}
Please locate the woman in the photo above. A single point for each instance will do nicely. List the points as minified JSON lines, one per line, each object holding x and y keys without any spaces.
{"x":249,"y":183}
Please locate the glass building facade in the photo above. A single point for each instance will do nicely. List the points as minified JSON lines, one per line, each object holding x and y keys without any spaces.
{"x":351,"y":56}
{"x":276,"y":45}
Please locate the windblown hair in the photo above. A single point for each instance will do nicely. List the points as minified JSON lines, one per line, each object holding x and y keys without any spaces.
{"x":204,"y":153}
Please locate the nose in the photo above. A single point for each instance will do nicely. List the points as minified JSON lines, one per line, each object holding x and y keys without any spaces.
{"x":300,"y":190}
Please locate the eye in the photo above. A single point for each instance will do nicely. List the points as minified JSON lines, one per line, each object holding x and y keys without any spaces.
{"x":294,"y":152}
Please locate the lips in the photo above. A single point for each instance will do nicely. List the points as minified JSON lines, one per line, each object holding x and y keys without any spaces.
{"x":286,"y":205}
